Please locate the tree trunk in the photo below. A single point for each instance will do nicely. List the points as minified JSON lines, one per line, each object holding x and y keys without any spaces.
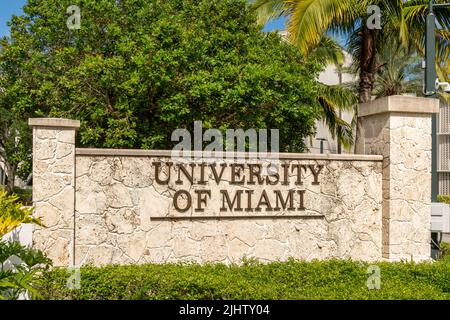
{"x":366,"y":79}
{"x":10,"y":177}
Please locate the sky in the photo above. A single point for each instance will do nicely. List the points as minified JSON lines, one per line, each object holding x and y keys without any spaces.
{"x":7,"y":9}
{"x":10,"y":7}
{"x":276,"y":24}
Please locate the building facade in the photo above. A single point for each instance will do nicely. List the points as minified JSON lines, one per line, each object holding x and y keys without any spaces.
{"x":323,"y":141}
{"x":2,"y":172}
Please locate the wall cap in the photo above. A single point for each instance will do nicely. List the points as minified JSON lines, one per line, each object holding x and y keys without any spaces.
{"x":54,"y":122}
{"x":399,"y":104}
{"x":281,"y":156}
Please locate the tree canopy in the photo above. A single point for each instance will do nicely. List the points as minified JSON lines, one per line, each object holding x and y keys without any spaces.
{"x":138,"y":69}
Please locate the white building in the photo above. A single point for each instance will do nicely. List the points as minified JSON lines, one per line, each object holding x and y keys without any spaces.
{"x":443,"y":145}
{"x":331,"y":76}
{"x":322,"y":141}
{"x":2,"y":173}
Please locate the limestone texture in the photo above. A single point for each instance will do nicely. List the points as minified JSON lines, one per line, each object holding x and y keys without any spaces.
{"x":54,"y":192}
{"x":124,"y":216}
{"x":104,"y":206}
{"x":404,"y":140}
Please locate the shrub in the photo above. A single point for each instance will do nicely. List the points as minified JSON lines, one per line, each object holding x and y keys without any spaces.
{"x":444,"y":252}
{"x":13,"y":213}
{"x":25,"y":195}
{"x":18,"y":277}
{"x":333,"y":279}
{"x":19,"y":265}
{"x":443,"y":199}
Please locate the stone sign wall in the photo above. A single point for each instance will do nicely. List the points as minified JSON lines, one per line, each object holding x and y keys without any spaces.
{"x":125,"y":215}
{"x":399,"y":128}
{"x":105,"y":206}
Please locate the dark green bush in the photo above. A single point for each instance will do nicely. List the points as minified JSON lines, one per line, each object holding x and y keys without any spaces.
{"x":25,"y":195}
{"x":333,"y":279}
{"x":444,"y":251}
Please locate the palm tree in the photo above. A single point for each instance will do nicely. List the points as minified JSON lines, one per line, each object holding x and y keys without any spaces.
{"x":399,"y":71}
{"x":402,"y":72}
{"x":309,"y":20}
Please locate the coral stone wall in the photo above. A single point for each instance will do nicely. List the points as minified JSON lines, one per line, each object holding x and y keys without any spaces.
{"x":406,"y":181}
{"x":105,"y":206}
{"x":124,"y":216}
{"x":53,"y":192}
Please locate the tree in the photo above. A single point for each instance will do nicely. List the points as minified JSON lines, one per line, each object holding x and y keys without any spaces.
{"x":309,"y":20}
{"x":399,"y":72}
{"x":15,"y":144}
{"x":138,"y":69}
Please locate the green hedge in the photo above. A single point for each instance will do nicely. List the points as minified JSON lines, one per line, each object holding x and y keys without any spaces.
{"x":333,"y":279}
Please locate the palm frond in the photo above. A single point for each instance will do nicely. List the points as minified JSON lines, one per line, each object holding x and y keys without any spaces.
{"x":328,"y":51}
{"x":267,"y":10}
{"x":332,"y":99}
{"x":310,"y":19}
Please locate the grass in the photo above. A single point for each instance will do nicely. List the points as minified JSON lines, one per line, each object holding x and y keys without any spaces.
{"x":332,"y":279}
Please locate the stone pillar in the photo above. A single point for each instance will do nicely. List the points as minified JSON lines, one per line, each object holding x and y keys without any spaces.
{"x":54,"y":187}
{"x":399,"y":129}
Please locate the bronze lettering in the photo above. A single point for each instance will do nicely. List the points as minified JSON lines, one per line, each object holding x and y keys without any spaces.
{"x":299,"y":168}
{"x":284,"y":200}
{"x":301,"y":194}
{"x":285,"y":167}
{"x":188,"y":175}
{"x":249,"y":200}
{"x":188,"y":198}
{"x":254,"y":174}
{"x":276,"y":181}
{"x":217,"y":178}
{"x":279,"y":198}
{"x":236,"y":199}
{"x":264,"y":201}
{"x":315,"y":173}
{"x":202,"y":180}
{"x":237,"y":174}
{"x":157,"y":166}
{"x":202,"y":200}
